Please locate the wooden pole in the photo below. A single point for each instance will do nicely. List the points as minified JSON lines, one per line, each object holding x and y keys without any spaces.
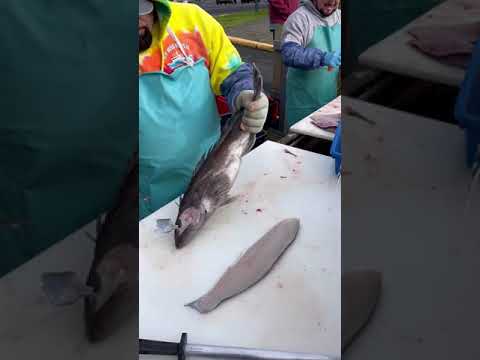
{"x":251,"y":44}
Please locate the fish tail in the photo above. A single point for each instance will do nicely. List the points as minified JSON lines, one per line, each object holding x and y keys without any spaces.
{"x":196,"y":305}
{"x":204,"y":304}
{"x":257,"y":82}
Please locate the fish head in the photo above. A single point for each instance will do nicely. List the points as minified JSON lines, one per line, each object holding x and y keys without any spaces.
{"x":114,"y":280}
{"x":189,"y":221}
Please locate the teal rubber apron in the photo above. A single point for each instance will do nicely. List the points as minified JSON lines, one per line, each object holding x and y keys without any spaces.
{"x":179,"y":122}
{"x":308,"y":90}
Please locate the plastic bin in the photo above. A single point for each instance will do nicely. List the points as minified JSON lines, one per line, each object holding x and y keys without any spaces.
{"x":467,"y":107}
{"x":336,"y":149}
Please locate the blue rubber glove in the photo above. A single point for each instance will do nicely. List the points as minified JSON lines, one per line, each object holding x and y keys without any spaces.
{"x":333,"y":59}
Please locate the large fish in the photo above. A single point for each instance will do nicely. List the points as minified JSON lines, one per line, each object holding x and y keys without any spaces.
{"x":215,"y":175}
{"x":110,"y":292}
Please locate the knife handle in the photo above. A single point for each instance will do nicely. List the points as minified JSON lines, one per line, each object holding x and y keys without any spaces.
{"x":154,"y":347}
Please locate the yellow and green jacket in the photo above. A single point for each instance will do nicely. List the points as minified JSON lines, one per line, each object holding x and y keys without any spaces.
{"x":203,"y":38}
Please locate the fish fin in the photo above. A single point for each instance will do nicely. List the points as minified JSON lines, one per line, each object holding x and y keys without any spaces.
{"x":165,"y":225}
{"x":258,"y":89}
{"x":196,"y":305}
{"x":231,"y":124}
{"x":235,"y":119}
{"x":64,"y":288}
{"x":227,"y":129}
{"x":257,"y":82}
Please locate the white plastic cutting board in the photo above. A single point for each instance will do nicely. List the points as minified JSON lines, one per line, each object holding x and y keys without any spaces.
{"x":297,"y":306}
{"x":305,"y":126}
{"x":393,"y":54}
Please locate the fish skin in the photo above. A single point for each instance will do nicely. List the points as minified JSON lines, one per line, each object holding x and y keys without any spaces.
{"x":252,"y":266}
{"x":215,"y":175}
{"x":110,"y":293}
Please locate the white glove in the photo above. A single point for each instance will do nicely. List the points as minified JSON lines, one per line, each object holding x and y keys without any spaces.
{"x":255,"y":111}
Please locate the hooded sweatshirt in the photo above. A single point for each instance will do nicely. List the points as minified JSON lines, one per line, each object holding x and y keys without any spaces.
{"x":298,"y":32}
{"x":202,"y":38}
{"x":280,"y":10}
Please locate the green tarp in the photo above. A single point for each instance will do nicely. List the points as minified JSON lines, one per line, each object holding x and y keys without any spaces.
{"x":69,"y":117}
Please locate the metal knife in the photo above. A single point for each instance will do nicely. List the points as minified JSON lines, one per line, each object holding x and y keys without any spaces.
{"x":183,"y":350}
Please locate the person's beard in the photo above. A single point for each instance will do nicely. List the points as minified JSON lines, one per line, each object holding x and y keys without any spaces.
{"x":144,"y":40}
{"x":324,"y":14}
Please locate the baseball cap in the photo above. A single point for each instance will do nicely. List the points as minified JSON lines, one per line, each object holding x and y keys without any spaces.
{"x":144,"y":7}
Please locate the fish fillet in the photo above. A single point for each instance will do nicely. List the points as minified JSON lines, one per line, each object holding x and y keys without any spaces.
{"x":257,"y":261}
{"x":450,"y":44}
{"x":325,"y":121}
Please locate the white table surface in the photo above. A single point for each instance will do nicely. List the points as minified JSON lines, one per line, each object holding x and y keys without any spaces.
{"x":305,"y":126}
{"x":394,"y":55}
{"x":31,"y":328}
{"x":415,"y":232}
{"x":296,"y":307}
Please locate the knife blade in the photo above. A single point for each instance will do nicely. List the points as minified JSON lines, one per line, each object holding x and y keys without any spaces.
{"x":183,"y":350}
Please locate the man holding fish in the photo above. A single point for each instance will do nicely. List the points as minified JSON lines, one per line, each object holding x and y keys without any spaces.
{"x":185,"y":59}
{"x":311,"y":48}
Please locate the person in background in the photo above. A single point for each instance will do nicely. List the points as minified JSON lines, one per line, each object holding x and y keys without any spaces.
{"x":185,"y":59}
{"x":311,"y":48}
{"x":279,"y":11}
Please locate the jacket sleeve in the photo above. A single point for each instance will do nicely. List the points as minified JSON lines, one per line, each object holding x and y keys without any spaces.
{"x":297,"y":56}
{"x":223,"y":57}
{"x":280,"y":6}
{"x":241,"y":79}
